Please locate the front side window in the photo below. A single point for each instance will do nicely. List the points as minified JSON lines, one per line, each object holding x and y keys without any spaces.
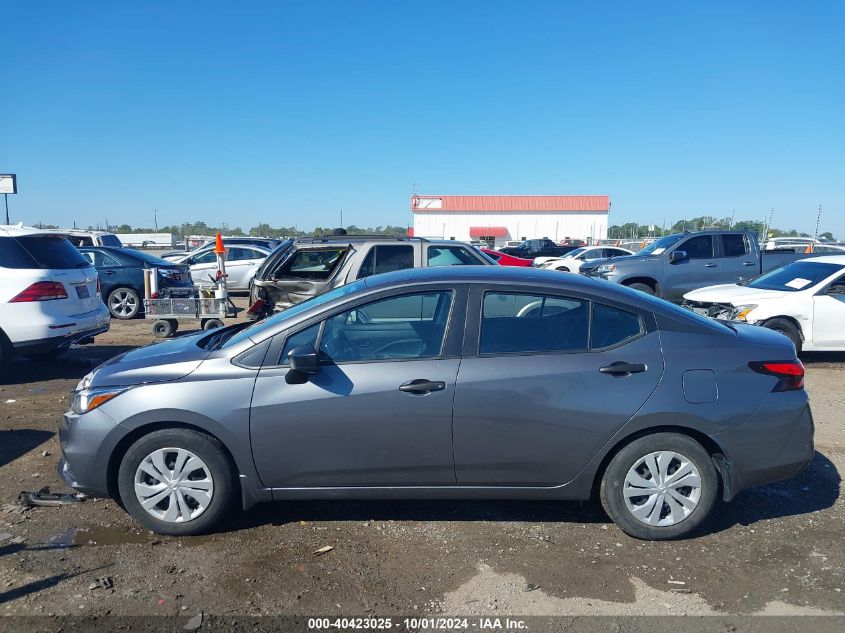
{"x":451,"y":256}
{"x":386,"y":258}
{"x":698,"y":247}
{"x":404,"y":327}
{"x":308,"y":336}
{"x":533,"y":323}
{"x":735,"y":245}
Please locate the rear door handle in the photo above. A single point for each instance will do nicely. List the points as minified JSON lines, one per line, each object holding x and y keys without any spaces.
{"x":710,"y":265}
{"x":621,"y":368}
{"x":749,"y":264}
{"x":110,"y":272}
{"x":422,"y":386}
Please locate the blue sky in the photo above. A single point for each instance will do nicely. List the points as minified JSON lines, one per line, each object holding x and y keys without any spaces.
{"x":287,"y":112}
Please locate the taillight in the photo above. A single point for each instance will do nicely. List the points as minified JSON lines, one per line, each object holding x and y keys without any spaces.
{"x":790,"y":373}
{"x":41,"y":291}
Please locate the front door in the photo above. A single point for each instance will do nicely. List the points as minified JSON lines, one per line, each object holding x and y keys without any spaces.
{"x":547,"y":389}
{"x":699,"y":269}
{"x":829,"y":316}
{"x":378,"y":412}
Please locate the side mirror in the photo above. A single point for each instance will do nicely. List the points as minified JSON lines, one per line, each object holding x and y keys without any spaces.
{"x":303,"y":359}
{"x":677,"y":256}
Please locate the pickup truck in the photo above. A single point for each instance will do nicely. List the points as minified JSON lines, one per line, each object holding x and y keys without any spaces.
{"x":679,"y":263}
{"x":542,"y":247}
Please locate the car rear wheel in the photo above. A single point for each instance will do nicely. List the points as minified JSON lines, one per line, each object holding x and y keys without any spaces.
{"x":177,"y":481}
{"x":124,"y":303}
{"x":788,"y":329}
{"x":659,"y":487}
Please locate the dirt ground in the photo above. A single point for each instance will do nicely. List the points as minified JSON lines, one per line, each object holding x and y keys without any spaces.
{"x":774,"y":550}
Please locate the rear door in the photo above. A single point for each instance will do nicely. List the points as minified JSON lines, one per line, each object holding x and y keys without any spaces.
{"x":736,"y":259}
{"x":241,"y":264}
{"x":533,"y":404}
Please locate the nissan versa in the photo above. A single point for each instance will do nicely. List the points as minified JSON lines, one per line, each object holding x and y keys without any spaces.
{"x":445,"y":383}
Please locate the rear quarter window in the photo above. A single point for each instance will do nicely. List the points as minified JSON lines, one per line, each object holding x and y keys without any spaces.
{"x":13,"y":255}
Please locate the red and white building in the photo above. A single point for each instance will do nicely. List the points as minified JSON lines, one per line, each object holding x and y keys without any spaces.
{"x":497,"y":219}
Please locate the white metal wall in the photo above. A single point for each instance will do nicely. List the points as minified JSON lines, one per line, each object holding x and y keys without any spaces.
{"x":554,"y":225}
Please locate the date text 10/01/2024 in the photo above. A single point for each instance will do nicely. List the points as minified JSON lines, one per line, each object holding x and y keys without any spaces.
{"x":418,"y":624}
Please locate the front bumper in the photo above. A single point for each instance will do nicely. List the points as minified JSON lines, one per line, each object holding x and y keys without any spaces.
{"x":87,"y":442}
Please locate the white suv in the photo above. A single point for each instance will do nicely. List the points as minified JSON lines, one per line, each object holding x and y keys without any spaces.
{"x":49,"y":295}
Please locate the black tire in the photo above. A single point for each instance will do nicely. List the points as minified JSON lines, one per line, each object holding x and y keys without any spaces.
{"x":164,"y":328}
{"x":788,"y":329}
{"x":123,"y":303}
{"x":612,"y":486}
{"x":211,"y":324}
{"x":207,"y":449}
{"x":643,"y":288}
{"x":48,"y":355}
{"x":6,"y":353}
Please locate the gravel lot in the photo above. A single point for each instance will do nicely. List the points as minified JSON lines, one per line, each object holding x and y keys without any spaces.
{"x":774,"y":550}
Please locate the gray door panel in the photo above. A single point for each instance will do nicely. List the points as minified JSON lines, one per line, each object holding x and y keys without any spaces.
{"x":538,"y":419}
{"x":350,"y":425}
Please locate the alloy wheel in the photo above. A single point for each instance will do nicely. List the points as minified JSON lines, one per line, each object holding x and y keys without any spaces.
{"x":123,"y":303}
{"x":662,"y":488}
{"x":173,"y":485}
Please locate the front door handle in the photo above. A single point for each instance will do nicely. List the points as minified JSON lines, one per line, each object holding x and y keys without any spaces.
{"x":422,"y":386}
{"x":621,"y":368}
{"x":749,"y":263}
{"x":109,"y":272}
{"x":710,"y":265}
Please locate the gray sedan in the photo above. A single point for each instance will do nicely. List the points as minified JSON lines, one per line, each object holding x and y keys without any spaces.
{"x":433,"y":383}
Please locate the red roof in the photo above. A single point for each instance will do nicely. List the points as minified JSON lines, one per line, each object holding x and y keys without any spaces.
{"x":510,"y":203}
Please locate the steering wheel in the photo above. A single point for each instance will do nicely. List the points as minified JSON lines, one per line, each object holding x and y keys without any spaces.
{"x":340,"y":347}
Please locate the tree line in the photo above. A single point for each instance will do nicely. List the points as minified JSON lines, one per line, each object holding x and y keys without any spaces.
{"x":634,"y":230}
{"x":261,"y":230}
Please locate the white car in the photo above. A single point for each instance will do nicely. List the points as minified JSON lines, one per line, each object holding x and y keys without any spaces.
{"x":242,"y":261}
{"x":804,"y":300}
{"x":49,"y":295}
{"x":571,"y":263}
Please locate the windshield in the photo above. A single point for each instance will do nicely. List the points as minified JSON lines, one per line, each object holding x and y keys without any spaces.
{"x":795,"y":276}
{"x":655,"y":248}
{"x":576,"y":252}
{"x":257,"y":328}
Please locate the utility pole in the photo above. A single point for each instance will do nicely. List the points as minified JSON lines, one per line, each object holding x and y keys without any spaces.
{"x":155,"y":219}
{"x":341,"y":218}
{"x":6,"y":196}
{"x":818,"y":219}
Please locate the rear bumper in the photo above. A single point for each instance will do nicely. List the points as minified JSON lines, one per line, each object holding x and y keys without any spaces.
{"x":56,"y":342}
{"x":772,"y":446}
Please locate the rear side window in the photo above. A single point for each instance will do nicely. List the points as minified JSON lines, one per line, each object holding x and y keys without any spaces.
{"x":49,"y":252}
{"x":451,"y":256}
{"x":386,"y":258}
{"x":533,"y":323}
{"x":735,"y":245}
{"x":611,"y":326}
{"x":99,"y":259}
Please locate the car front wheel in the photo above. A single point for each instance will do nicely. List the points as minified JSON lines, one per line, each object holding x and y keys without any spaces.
{"x":177,"y":481}
{"x":660,"y":487}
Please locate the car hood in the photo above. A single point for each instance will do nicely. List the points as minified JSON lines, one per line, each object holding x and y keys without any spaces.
{"x":733,"y":294}
{"x":158,"y":362}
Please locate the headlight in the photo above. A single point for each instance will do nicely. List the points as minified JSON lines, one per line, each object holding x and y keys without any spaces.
{"x":606,"y":268}
{"x":740,"y":312}
{"x":89,"y":399}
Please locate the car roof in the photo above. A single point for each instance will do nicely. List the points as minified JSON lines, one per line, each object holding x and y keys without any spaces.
{"x":19,"y":230}
{"x":826,"y":259}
